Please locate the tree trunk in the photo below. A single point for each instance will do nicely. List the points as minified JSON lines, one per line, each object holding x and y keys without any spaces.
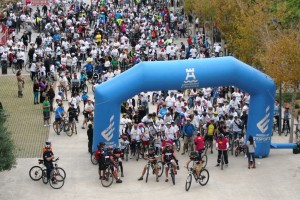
{"x":291,"y":139}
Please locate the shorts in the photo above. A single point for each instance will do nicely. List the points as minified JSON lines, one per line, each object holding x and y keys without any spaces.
{"x":85,"y":114}
{"x":209,"y":138}
{"x":46,"y":115}
{"x":102,"y":166}
{"x":197,"y":167}
{"x":187,"y":139}
{"x":89,"y":75}
{"x":58,"y":119}
{"x":71,"y":119}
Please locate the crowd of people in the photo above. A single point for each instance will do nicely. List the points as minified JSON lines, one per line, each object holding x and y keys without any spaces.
{"x":79,"y":43}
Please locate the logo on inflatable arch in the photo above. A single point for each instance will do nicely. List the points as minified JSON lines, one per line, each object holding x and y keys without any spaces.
{"x":107,"y":134}
{"x":262,"y":125}
{"x":190,"y":79}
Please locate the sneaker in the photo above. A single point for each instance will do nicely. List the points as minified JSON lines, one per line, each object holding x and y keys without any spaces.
{"x":166,"y":180}
{"x":45,"y":125}
{"x":83,"y":127}
{"x":140,"y":179}
{"x":157,"y":179}
{"x":183,"y":153}
{"x":177,"y":167}
{"x":100,"y":177}
{"x":211,"y":152}
{"x":197,"y":180}
{"x":122,"y":175}
{"x":119,"y":181}
{"x":218,"y":165}
{"x":58,"y":133}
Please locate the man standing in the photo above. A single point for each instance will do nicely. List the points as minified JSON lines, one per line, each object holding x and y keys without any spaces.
{"x":46,"y":111}
{"x":188,"y":131}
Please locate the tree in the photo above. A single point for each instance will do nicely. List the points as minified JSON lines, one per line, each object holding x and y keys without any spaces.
{"x":7,"y":156}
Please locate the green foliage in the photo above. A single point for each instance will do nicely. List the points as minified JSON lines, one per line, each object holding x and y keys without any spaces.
{"x":7,"y":156}
{"x":287,"y":97}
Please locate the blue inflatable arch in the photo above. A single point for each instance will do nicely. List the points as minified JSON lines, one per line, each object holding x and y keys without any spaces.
{"x":185,"y":74}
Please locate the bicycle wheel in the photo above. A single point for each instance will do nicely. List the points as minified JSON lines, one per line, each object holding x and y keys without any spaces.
{"x":108,"y":178}
{"x":173,"y":176}
{"x":178,"y":145}
{"x":204,"y":160}
{"x":236,"y":153}
{"x":160,"y":168}
{"x":44,"y":177}
{"x":14,"y":68}
{"x":57,"y":128}
{"x":27,"y":67}
{"x":36,"y":173}
{"x":68,"y":130}
{"x":56,"y":181}
{"x":147,"y":173}
{"x":75,"y":128}
{"x":204,"y":177}
{"x":188,"y":182}
{"x":222,"y":161}
{"x":60,"y":171}
{"x":93,"y":159}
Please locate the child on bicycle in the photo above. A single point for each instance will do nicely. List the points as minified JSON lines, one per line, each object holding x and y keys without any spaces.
{"x":152,"y":158}
{"x":197,"y":162}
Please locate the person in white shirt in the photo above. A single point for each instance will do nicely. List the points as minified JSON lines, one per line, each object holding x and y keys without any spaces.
{"x":169,"y":132}
{"x":193,"y":52}
{"x":20,"y":58}
{"x":170,"y":101}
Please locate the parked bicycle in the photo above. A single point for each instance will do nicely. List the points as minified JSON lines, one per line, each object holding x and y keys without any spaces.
{"x":61,"y":125}
{"x":57,"y":176}
{"x":202,"y":179}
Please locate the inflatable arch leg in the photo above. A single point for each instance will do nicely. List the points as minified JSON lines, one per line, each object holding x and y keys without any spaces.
{"x":186,"y":74}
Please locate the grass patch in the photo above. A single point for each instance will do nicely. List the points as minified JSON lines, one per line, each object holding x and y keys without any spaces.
{"x":25,"y":120}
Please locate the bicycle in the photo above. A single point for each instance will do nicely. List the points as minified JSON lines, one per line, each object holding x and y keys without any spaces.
{"x":69,"y":127}
{"x":57,"y":175}
{"x":108,"y":177}
{"x":222,"y":158}
{"x":172,"y":173}
{"x":203,"y":178}
{"x":136,"y":151}
{"x":62,"y":125}
{"x":204,"y":158}
{"x":160,"y":167}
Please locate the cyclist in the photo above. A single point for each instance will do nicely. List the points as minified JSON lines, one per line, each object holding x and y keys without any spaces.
{"x":59,"y":112}
{"x":118,"y":154}
{"x":72,"y":113}
{"x":48,"y":157}
{"x":152,"y":158}
{"x":75,"y":84}
{"x":168,"y":157}
{"x":222,"y":146}
{"x":199,"y":144}
{"x":197,"y":162}
{"x":110,"y":159}
{"x":88,"y":111}
{"x":211,"y":130}
{"x":100,"y":154}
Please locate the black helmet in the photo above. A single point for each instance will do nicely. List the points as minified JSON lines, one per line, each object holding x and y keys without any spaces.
{"x":221,"y":135}
{"x":117,"y":150}
{"x":151,"y":149}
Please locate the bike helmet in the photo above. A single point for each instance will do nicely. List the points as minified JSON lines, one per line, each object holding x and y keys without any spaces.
{"x":60,"y":93}
{"x":117,"y":151}
{"x":47,"y":146}
{"x":221,"y":135}
{"x":159,"y":116}
{"x":59,"y":104}
{"x":181,"y":114}
{"x":151,"y":149}
{"x":140,"y":125}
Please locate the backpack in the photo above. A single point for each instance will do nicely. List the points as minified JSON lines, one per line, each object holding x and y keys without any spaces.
{"x":210,"y":129}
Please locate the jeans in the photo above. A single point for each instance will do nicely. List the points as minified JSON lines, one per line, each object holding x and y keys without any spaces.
{"x":225,"y":156}
{"x":251,"y":157}
{"x":36,"y":97}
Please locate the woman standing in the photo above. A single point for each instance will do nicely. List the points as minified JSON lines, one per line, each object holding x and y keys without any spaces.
{"x":36,"y":88}
{"x":42,"y":90}
{"x":251,"y":150}
{"x":20,"y":79}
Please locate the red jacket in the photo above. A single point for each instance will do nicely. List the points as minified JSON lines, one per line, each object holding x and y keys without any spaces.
{"x":222,"y":143}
